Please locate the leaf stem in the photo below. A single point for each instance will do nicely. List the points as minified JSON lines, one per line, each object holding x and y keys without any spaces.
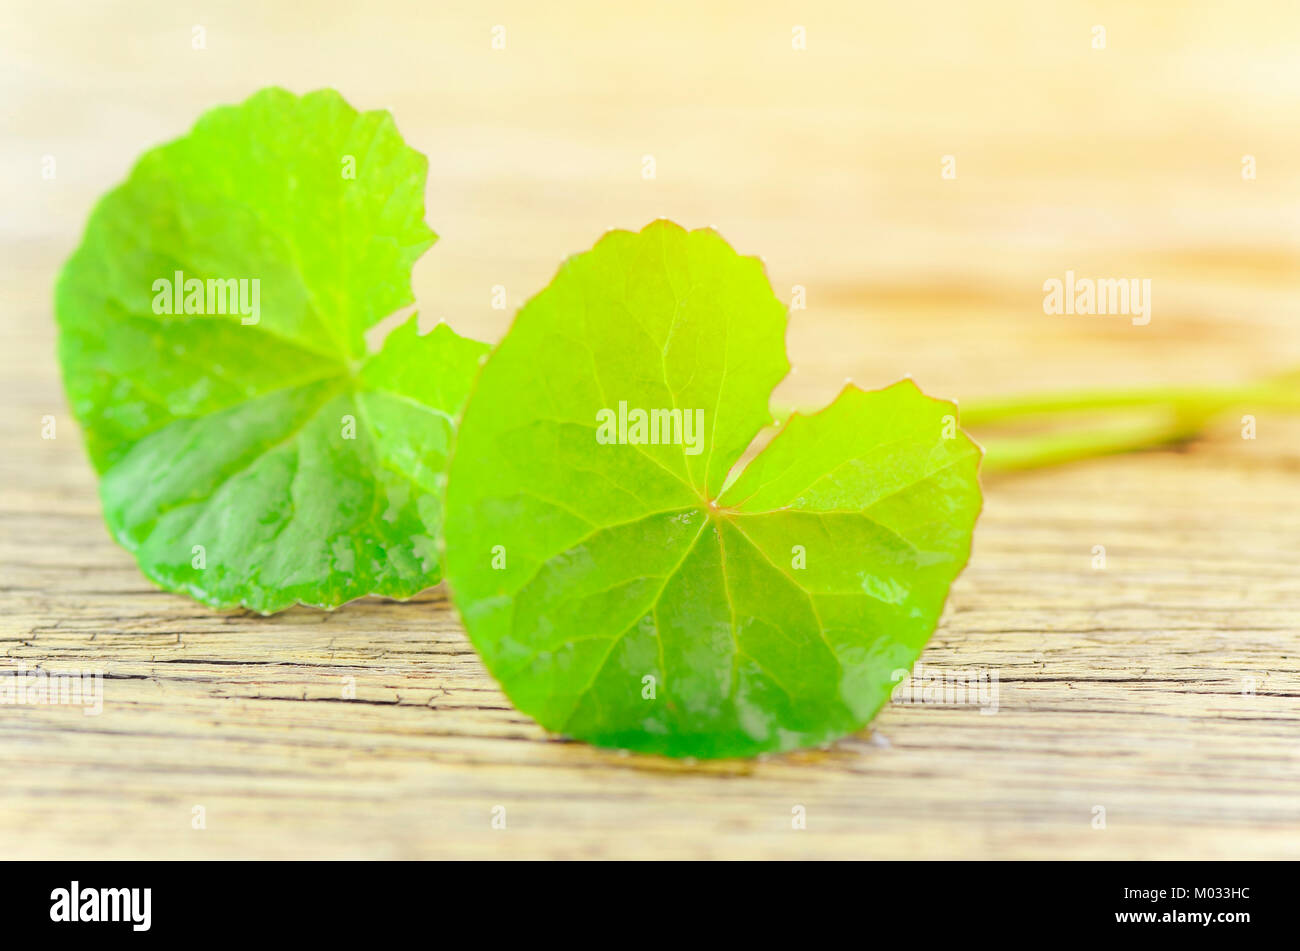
{"x":1150,"y":417}
{"x":1018,"y":453}
{"x":1271,"y":394}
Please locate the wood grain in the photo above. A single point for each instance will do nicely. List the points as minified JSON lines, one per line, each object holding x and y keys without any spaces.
{"x":1164,"y":687}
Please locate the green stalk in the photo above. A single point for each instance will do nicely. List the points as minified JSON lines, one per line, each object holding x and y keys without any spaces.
{"x":1182,"y":414}
{"x":1166,"y":415}
{"x":1017,"y":453}
{"x":1199,"y":401}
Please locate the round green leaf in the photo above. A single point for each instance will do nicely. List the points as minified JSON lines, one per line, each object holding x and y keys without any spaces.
{"x":251,"y":452}
{"x":638,"y":594}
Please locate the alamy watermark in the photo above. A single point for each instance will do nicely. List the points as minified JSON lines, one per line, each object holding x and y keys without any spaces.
{"x":970,"y":686}
{"x":178,"y":295}
{"x":1103,"y":296}
{"x":37,"y":687}
{"x":77,"y":903}
{"x":655,"y":427}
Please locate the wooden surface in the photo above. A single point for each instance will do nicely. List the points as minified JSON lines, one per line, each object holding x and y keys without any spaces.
{"x":1128,"y":688}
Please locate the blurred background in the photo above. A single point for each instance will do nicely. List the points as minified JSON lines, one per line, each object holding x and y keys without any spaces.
{"x":813,"y":134}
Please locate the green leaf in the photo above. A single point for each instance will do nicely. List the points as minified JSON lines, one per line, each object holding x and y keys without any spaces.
{"x":263,"y":462}
{"x":630,"y":594}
